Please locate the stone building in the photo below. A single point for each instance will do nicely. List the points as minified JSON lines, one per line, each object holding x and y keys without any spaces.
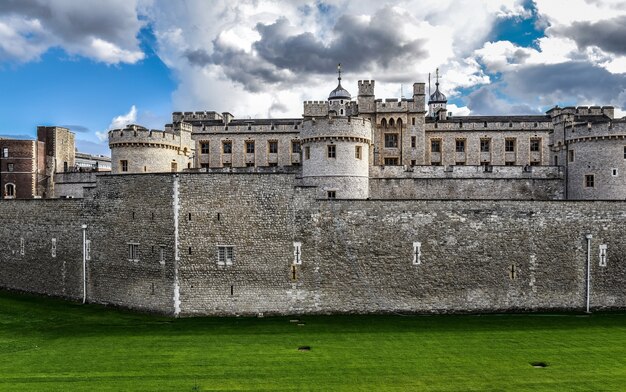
{"x":22,"y":169}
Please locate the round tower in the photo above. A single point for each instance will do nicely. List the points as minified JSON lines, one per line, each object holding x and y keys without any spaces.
{"x":335,"y":154}
{"x":596,"y":158}
{"x":136,"y":149}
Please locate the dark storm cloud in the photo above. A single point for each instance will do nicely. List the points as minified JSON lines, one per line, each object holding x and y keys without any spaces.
{"x":281,"y":57}
{"x":609,"y":35}
{"x":573,"y":81}
{"x":484,"y":102}
{"x":358,"y":43}
{"x":76,"y":21}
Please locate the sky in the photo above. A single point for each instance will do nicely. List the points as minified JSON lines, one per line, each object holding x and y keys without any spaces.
{"x":96,"y":65}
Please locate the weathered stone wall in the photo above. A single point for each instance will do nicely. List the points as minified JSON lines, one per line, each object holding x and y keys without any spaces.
{"x":467,"y":182}
{"x":73,"y":184}
{"x":134,"y":209}
{"x":27,"y":230}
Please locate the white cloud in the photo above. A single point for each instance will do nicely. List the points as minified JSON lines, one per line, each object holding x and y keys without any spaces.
{"x":119,"y":122}
{"x":102,"y":30}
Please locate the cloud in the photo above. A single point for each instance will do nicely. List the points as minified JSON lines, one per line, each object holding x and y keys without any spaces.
{"x":76,"y":128}
{"x":606,"y":34}
{"x":485,"y":102}
{"x":119,"y":122}
{"x":105,"y":31}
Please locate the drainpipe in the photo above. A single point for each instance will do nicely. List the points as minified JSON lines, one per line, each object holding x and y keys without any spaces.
{"x":589,"y":237}
{"x":84,"y":227}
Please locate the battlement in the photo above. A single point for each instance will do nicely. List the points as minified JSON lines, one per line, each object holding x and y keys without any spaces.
{"x":590,"y":130}
{"x":357,"y":127}
{"x":315,"y":108}
{"x":366,"y":87}
{"x":135,"y":134}
{"x":196,"y":116}
{"x":558,"y":114}
{"x":390,"y":105}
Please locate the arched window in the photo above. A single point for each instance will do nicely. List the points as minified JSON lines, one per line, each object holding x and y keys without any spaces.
{"x":391,"y":124}
{"x":9,"y":190}
{"x":399,"y":123}
{"x":383,"y":123}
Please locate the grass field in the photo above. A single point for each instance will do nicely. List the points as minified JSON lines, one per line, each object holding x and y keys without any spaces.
{"x":50,"y":345}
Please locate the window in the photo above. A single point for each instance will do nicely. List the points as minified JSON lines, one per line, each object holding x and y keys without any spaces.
{"x":331,"y":194}
{"x":225,"y":255}
{"x":535,"y":145}
{"x":556,"y":160}
{"x":88,"y":250}
{"x":391,"y":161}
{"x":332,"y":151}
{"x":5,"y":152}
{"x":295,"y":147}
{"x":509,"y":145}
{"x":357,"y":152}
{"x":10,"y":190}
{"x":133,"y":251}
{"x":614,"y":172}
{"x":162,"y":254}
{"x":413,"y":121}
{"x":10,"y":167}
{"x":174,"y":167}
{"x":307,"y":152}
{"x":204,"y":148}
{"x":391,"y":140}
{"x":54,"y":247}
{"x":273,"y":146}
{"x":589,"y":181}
{"x":435,"y":146}
{"x":413,"y":141}
{"x":297,"y":253}
{"x":485,"y":145}
{"x":571,"y":155}
{"x":250,"y":147}
{"x":624,"y":152}
{"x":124,"y":165}
{"x":603,"y":255}
{"x":417,"y":253}
{"x":227,"y":147}
{"x":460,"y":145}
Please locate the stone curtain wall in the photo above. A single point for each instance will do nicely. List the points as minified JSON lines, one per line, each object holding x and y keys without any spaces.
{"x":133,"y":209}
{"x":34,"y":269}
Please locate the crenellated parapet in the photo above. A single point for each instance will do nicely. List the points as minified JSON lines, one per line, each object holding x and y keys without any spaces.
{"x":315,"y":108}
{"x":139,"y":136}
{"x":335,"y":127}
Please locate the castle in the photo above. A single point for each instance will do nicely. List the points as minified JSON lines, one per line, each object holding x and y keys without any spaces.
{"x":365,"y":206}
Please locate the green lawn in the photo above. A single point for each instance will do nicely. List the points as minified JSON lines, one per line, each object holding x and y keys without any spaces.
{"x":51,"y":345}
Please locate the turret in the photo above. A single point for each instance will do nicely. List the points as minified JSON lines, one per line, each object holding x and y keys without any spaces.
{"x":437,"y":103}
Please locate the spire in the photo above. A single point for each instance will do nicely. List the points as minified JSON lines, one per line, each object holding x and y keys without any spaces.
{"x":437,"y":83}
{"x":339,"y":73}
{"x":437,"y":96}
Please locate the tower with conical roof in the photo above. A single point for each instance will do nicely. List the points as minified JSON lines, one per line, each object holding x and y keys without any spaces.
{"x":335,"y":148}
{"x":437,"y":102}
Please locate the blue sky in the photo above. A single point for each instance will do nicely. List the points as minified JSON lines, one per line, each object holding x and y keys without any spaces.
{"x":96,"y":65}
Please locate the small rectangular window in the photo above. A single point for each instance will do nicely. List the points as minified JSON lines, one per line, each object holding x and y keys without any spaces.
{"x":225,"y":255}
{"x":162,"y":254}
{"x":227,"y":147}
{"x":603,"y":255}
{"x":485,"y":145}
{"x":460,"y":145}
{"x":331,"y":194}
{"x":535,"y":145}
{"x":22,"y":245}
{"x":273,"y":147}
{"x":357,"y":152}
{"x":509,"y":145}
{"x":204,"y":147}
{"x":435,"y":146}
{"x":54,"y":247}
{"x":5,"y":152}
{"x":88,"y":250}
{"x":413,"y":141}
{"x":331,"y":151}
{"x":417,"y":253}
{"x":250,"y":147}
{"x":297,"y":253}
{"x":307,"y":152}
{"x":614,"y":172}
{"x":589,"y":181}
{"x":295,"y":147}
{"x":391,"y":140}
{"x":10,"y":167}
{"x":570,"y":156}
{"x":391,"y":161}
{"x":133,"y":251}
{"x":624,"y":152}
{"x":124,"y":165}
{"x":413,"y":121}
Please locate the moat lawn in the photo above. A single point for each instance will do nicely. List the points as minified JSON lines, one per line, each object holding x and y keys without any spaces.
{"x":50,"y":345}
